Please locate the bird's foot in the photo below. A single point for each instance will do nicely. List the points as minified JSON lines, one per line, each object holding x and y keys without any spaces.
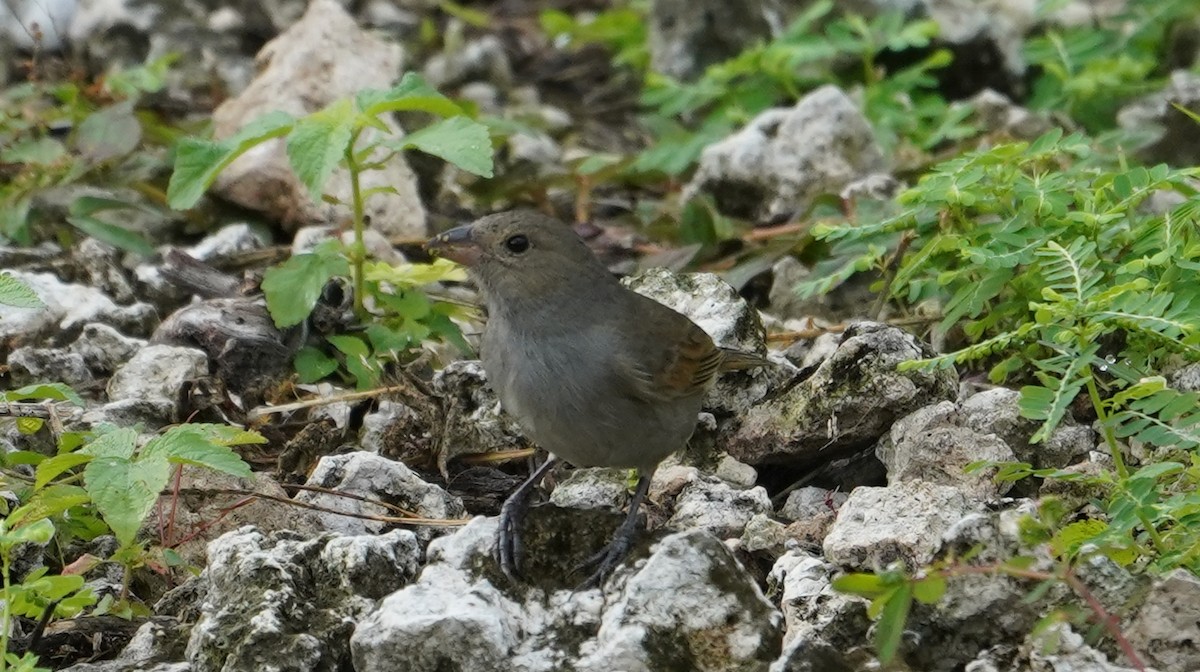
{"x":510,"y":552}
{"x":607,"y":559}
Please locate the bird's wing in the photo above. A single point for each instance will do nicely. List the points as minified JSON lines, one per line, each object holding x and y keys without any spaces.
{"x":669,"y":358}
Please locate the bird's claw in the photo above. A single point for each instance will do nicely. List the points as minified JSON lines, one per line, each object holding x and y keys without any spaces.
{"x":510,"y":552}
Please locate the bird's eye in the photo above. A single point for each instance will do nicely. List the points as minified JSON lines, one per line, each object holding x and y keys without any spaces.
{"x":517,"y":244}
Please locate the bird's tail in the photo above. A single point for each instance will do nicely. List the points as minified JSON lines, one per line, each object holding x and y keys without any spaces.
{"x":739,"y":360}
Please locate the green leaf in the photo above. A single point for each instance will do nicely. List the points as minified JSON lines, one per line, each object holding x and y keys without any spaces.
{"x":223,"y":435}
{"x":313,"y":365}
{"x":53,"y":467}
{"x":292,"y":288}
{"x":198,"y":162}
{"x":411,"y":94}
{"x":40,"y":531}
{"x":459,"y":140}
{"x":930,"y":589}
{"x":359,"y":361}
{"x":15,"y":293}
{"x":43,"y":151}
{"x":49,"y":391}
{"x":318,"y":142}
{"x":889,"y":631}
{"x":184,"y":445}
{"x":48,"y":502}
{"x":866,"y":585}
{"x":115,"y":443}
{"x":124,"y":491}
{"x":109,"y":133}
{"x":113,"y":234}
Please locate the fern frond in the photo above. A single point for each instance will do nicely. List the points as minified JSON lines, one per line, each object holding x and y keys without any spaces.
{"x":1049,"y":401}
{"x":1072,"y":271}
{"x":1166,"y":418}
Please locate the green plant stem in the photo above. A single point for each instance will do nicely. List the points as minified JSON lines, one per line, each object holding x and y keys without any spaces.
{"x":358,"y":249}
{"x":6,"y":617}
{"x":1110,"y":438}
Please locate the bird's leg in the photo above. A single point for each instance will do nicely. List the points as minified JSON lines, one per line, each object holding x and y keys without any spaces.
{"x":607,"y":559}
{"x":509,"y":550}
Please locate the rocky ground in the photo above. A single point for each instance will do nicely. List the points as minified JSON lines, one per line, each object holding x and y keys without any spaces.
{"x":830,"y":461}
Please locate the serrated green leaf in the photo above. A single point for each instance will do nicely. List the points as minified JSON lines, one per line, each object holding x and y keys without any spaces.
{"x":182,"y":445}
{"x":318,"y":142}
{"x":116,"y":443}
{"x":459,"y":140}
{"x":15,"y":293}
{"x":51,"y":468}
{"x":293,"y":287}
{"x":40,"y":531}
{"x":411,"y":94}
{"x":47,"y":502}
{"x":198,"y":161}
{"x":124,"y":491}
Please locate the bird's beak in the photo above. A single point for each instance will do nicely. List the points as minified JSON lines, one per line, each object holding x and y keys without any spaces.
{"x":456,"y":244}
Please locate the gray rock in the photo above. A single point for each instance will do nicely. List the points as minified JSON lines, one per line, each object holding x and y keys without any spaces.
{"x":104,"y":349}
{"x":157,"y":646}
{"x":926,"y":445}
{"x":391,"y":424}
{"x":1187,"y":379}
{"x":787,"y":157}
{"x":902,"y":522}
{"x":765,"y":535}
{"x":323,"y":57}
{"x":472,"y":421}
{"x":997,"y":411}
{"x":374,"y":477}
{"x":229,"y":240}
{"x":264,"y":605}
{"x":717,"y":507}
{"x":100,"y":264}
{"x":1059,"y":648}
{"x":210,"y":505}
{"x":666,"y":617}
{"x":43,"y":365}
{"x":67,"y":308}
{"x":810,"y":502}
{"x":998,"y":114}
{"x":825,"y":630}
{"x":686,"y":37}
{"x":1166,"y":630}
{"x":1172,"y":135}
{"x":157,"y":373}
{"x":688,"y":601}
{"x":845,"y":405}
{"x":249,"y":354}
{"x":593,"y":488}
{"x":736,"y":473}
{"x":483,"y":59}
{"x":128,"y":412}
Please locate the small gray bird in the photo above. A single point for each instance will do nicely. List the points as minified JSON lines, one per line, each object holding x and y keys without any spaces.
{"x":594,"y":372}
